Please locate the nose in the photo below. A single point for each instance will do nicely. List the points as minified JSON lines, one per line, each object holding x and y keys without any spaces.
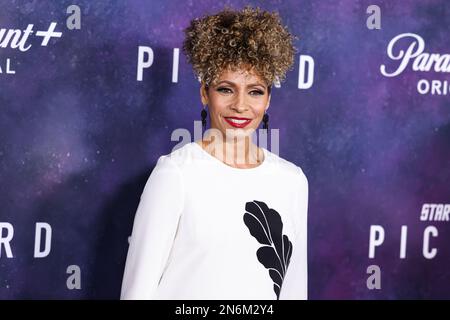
{"x":239,"y":104}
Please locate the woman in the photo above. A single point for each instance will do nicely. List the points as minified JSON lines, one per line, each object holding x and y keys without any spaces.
{"x":221,"y":218}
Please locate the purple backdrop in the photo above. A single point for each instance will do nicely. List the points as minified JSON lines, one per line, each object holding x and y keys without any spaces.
{"x":79,"y":135}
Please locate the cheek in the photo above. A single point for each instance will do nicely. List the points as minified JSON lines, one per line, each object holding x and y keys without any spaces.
{"x":216,"y":102}
{"x":259,"y":109}
{"x":216,"y":110}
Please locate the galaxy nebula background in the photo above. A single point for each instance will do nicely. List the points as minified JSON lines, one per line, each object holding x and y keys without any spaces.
{"x":79,"y":136}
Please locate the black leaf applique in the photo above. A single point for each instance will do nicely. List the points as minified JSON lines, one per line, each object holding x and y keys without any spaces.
{"x":266,"y":226}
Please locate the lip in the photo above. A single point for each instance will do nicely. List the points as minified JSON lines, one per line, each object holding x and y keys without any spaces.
{"x":237,"y":125}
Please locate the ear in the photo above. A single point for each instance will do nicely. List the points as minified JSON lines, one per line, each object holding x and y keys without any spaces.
{"x":268,"y":103}
{"x":203,"y":94}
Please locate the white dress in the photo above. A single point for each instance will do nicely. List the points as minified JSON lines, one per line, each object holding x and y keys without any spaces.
{"x":206,"y":230}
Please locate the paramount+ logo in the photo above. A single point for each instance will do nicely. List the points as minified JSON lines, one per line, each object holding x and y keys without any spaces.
{"x":18,"y":39}
{"x":420,"y":61}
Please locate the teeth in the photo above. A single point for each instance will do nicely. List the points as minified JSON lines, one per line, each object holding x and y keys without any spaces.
{"x":237,"y":121}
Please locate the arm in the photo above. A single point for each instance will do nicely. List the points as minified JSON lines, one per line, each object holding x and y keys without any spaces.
{"x":154,"y":229}
{"x":295,"y":284}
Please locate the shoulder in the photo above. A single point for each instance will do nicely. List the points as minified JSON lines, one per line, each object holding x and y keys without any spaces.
{"x":166,"y":174}
{"x":287,"y":167}
{"x":171,"y":164}
{"x":179,"y":156}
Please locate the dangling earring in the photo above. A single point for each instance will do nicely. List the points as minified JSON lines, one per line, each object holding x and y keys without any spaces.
{"x":204,"y":114}
{"x":265,"y":121}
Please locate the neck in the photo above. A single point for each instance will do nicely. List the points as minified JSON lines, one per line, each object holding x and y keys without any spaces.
{"x":236,"y":152}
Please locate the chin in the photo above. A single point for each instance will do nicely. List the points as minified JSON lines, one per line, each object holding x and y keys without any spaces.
{"x":239,"y":133}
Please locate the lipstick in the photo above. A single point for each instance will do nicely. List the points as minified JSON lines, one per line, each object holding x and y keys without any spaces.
{"x":238,"y":122}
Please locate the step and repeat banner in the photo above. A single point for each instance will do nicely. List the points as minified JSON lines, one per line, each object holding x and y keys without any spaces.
{"x":91,"y":92}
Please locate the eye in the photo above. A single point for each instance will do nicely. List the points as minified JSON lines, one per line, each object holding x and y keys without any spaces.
{"x":223,"y":89}
{"x":257,"y":92}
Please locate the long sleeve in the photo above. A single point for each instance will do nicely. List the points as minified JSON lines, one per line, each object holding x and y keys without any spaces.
{"x":295,"y":284}
{"x":154,"y":229}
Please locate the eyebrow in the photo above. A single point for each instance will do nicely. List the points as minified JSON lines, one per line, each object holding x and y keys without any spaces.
{"x":249,"y":85}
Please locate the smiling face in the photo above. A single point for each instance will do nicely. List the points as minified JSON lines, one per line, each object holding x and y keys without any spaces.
{"x":236,"y":102}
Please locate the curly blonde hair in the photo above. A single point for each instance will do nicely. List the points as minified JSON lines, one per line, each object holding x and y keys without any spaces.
{"x":248,"y":39}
